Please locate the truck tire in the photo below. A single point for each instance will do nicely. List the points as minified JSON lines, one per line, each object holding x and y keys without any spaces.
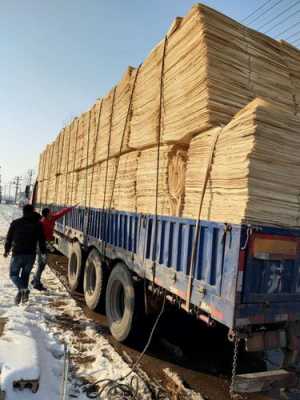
{"x":123,"y":304}
{"x":95,"y":281}
{"x":75,"y":267}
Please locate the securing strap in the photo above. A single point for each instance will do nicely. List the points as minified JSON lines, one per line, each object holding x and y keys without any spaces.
{"x":121,"y":146}
{"x":87,"y":158}
{"x":94,"y":153}
{"x":160,"y":120}
{"x":74,"y":160}
{"x":196,"y":240}
{"x":123,"y":134}
{"x":49,"y":171}
{"x":67,"y":172}
{"x":61,"y":139}
{"x":108,"y":146}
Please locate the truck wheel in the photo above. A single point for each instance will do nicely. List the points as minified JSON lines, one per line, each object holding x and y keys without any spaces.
{"x":94,"y":282}
{"x":123,"y":304}
{"x":75,"y":267}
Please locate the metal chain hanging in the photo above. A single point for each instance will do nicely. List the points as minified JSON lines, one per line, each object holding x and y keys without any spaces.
{"x":236,"y":342}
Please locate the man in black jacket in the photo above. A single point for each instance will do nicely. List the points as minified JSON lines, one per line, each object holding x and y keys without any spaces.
{"x":23,"y":236}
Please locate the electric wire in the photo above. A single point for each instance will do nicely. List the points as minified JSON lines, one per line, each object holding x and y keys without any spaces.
{"x":265,"y":12}
{"x":255,"y":11}
{"x":287,"y":29}
{"x":278,"y":16}
{"x":280,"y":23}
{"x":292,"y":35}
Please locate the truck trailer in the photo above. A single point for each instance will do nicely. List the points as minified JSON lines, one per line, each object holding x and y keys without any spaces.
{"x":199,"y":207}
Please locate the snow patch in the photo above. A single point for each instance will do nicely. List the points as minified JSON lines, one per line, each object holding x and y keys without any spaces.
{"x":18,"y":360}
{"x":48,"y":327}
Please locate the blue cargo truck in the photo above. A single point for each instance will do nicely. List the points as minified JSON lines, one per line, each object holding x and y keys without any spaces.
{"x":246,"y":278}
{"x":243,"y":277}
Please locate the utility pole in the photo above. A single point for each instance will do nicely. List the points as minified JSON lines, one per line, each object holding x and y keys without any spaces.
{"x":9,"y":191}
{"x":5,"y":192}
{"x":17,"y":183}
{"x":28,"y":184}
{"x":0,"y":186}
{"x":30,"y":175}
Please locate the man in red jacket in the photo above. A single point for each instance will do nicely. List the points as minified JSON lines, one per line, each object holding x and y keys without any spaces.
{"x":48,"y":223}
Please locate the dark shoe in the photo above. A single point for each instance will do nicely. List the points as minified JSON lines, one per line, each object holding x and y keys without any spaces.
{"x":39,"y":286}
{"x":18,"y":297}
{"x":25,"y":295}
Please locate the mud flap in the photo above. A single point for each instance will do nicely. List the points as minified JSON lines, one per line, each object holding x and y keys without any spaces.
{"x":265,"y":381}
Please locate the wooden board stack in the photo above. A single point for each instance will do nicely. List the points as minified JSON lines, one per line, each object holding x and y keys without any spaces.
{"x":210,"y":75}
{"x":292,"y":61}
{"x":124,"y":190}
{"x":153,"y":191}
{"x":144,"y":120}
{"x":255,"y":155}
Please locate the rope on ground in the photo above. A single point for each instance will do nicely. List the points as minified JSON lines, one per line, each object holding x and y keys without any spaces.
{"x":116,"y":389}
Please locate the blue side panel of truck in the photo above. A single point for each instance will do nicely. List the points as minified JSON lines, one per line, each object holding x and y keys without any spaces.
{"x":159,"y":249}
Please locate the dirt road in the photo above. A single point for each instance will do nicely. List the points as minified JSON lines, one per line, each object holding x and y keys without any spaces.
{"x":182,"y":347}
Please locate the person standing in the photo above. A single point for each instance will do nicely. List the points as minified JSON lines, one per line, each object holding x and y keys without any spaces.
{"x":48,"y":223}
{"x":23,"y":236}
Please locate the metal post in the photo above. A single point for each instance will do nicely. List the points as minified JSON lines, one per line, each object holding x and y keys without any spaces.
{"x":64,"y":382}
{"x":17,"y":183}
{"x":0,"y":187}
{"x":9,"y":191}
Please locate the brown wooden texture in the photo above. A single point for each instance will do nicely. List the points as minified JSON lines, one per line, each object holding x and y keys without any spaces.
{"x":144,"y":146}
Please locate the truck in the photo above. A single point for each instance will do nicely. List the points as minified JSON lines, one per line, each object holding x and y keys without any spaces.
{"x":244,"y":276}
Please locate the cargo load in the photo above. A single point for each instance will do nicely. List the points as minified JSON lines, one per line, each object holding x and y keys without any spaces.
{"x":187,"y":175}
{"x":209,"y":76}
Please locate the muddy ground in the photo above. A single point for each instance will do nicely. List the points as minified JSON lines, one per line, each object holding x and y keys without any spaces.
{"x":200,"y":356}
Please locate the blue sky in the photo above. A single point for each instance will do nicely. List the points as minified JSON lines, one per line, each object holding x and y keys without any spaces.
{"x":58,"y":56}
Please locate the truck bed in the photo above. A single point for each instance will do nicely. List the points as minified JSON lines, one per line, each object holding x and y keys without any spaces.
{"x":159,"y":249}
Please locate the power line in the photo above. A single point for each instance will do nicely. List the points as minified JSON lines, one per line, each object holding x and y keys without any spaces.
{"x":265,"y":12}
{"x":280,"y":23}
{"x":295,"y":41}
{"x":277,"y":16}
{"x":287,"y":29}
{"x":275,"y":26}
{"x":255,"y":11}
{"x":292,"y":35}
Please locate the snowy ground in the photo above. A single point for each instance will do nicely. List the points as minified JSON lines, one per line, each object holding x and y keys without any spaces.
{"x":33,"y":339}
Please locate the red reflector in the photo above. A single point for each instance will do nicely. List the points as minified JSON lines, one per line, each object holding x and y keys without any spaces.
{"x":269,"y":247}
